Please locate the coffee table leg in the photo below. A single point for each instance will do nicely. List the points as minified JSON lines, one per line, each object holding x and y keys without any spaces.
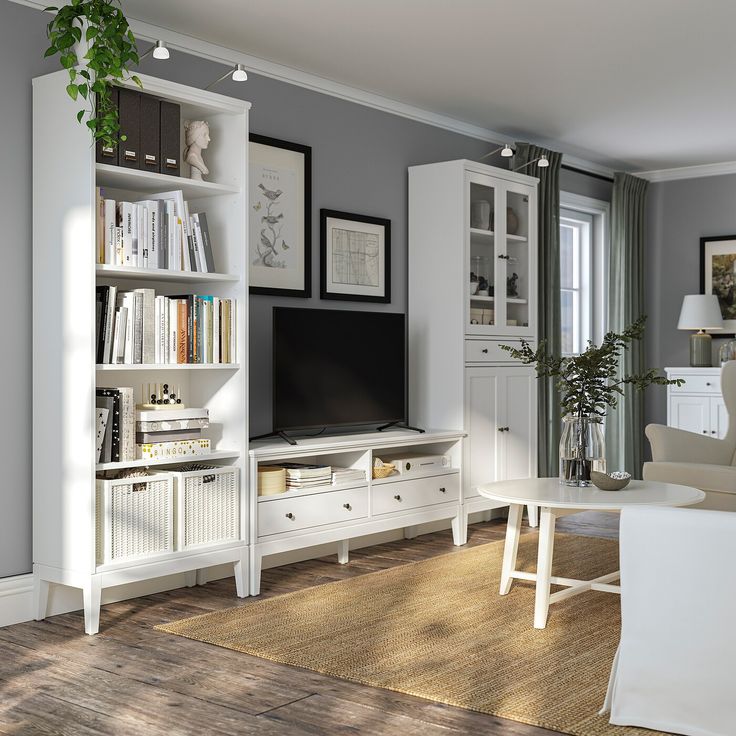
{"x":544,"y":566}
{"x":513,"y":529}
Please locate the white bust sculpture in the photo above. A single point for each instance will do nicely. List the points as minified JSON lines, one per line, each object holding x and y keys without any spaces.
{"x":197,"y":136}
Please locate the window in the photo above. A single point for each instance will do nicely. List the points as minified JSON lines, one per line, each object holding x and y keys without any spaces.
{"x":583,"y":271}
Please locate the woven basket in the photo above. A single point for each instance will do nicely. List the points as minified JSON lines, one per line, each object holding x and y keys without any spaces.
{"x":383,"y":471}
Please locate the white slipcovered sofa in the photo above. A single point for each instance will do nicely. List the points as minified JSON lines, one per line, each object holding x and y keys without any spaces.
{"x":697,"y":460}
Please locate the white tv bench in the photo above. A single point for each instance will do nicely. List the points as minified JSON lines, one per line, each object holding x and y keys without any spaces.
{"x":299,"y":519}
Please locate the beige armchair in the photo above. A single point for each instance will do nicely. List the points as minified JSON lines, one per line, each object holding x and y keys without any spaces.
{"x":696,"y":460}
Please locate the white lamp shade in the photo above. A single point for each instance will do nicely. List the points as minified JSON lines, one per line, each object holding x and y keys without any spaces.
{"x":700,"y":312}
{"x":160,"y":51}
{"x":239,"y":73}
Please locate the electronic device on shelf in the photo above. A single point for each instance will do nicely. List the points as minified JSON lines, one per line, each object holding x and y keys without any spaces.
{"x":416,"y":464}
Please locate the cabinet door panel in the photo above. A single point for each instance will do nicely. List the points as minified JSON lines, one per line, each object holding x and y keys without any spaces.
{"x":519,"y":390}
{"x":481,"y":424}
{"x":691,"y":413}
{"x":718,"y":418}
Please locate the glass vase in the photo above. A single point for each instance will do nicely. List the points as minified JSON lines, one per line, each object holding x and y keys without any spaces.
{"x":582,"y":449}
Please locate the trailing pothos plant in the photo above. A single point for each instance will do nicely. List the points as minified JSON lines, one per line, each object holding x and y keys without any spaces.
{"x":590,"y":383}
{"x":101,"y":26}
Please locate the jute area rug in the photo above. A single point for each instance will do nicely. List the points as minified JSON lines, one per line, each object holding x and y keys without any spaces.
{"x":438,"y":629}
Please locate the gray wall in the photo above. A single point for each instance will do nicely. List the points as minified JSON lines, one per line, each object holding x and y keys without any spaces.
{"x":360,"y":158}
{"x":679,"y":213}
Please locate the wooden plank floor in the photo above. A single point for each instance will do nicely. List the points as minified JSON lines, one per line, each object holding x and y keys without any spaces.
{"x":130,"y":679}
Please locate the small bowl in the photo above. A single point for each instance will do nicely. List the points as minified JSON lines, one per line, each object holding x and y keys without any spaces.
{"x":614,"y":482}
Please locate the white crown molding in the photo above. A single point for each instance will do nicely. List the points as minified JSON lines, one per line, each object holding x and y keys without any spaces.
{"x":689,"y":172}
{"x":290,"y":75}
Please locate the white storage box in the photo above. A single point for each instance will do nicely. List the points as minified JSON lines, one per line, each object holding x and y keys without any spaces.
{"x":207,"y":505}
{"x":135,"y":517}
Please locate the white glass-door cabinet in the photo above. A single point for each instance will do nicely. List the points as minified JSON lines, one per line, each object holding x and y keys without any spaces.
{"x":472,"y":289}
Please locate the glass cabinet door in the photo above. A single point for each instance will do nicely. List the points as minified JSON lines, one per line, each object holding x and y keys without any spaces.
{"x":482,"y":266}
{"x":518,"y":286}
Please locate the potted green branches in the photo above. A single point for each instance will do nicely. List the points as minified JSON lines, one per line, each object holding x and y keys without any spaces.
{"x":96,"y":46}
{"x":590,"y":384}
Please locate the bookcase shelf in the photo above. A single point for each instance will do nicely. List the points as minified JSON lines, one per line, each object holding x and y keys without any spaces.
{"x":105,"y":270}
{"x":119,"y":177}
{"x":65,"y":374}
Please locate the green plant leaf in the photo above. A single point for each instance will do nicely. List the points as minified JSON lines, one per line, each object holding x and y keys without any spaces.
{"x":72,"y":91}
{"x":80,"y":115}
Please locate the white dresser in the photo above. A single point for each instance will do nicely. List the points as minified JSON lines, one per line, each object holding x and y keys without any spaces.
{"x":697,"y":405}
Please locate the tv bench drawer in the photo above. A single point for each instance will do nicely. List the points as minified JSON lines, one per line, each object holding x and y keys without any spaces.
{"x":415,"y":493}
{"x":289,"y":514}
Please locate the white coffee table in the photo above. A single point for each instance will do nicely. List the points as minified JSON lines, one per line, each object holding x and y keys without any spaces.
{"x":556,"y":500}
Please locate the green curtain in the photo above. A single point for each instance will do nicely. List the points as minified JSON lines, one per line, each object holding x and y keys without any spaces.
{"x":625,"y":425}
{"x":550,"y":421}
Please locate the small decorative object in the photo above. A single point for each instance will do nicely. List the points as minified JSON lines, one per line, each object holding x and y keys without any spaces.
{"x":381,"y":469}
{"x":161,"y":396}
{"x":512,"y":221}
{"x":727,"y":352}
{"x":615,"y":481}
{"x":589,"y":384}
{"x":355,"y":257}
{"x":197,"y":138}
{"x":700,"y":312}
{"x":512,"y":285}
{"x":280,"y":222}
{"x":473,"y":284}
{"x":480,"y":214}
{"x":97,"y":48}
{"x":718,"y":276}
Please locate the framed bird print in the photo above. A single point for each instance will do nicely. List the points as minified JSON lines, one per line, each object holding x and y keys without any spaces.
{"x":280,"y":201}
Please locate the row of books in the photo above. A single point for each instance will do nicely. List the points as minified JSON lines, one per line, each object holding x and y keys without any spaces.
{"x":300,"y":475}
{"x":139,"y":327}
{"x":115,"y":424}
{"x":158,"y":232}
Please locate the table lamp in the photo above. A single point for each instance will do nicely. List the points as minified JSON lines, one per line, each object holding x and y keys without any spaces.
{"x":700,"y":312}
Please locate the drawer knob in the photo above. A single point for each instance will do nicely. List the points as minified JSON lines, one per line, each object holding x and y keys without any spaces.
{"x":397,"y":497}
{"x":705,"y":431}
{"x":290,"y":516}
{"x":347,"y":506}
{"x":503,"y":429}
{"x":485,"y":350}
{"x":707,"y":383}
{"x":712,"y":431}
{"x":443,"y":490}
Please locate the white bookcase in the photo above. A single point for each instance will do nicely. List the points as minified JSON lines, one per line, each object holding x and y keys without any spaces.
{"x":467,"y":222}
{"x":64,"y":372}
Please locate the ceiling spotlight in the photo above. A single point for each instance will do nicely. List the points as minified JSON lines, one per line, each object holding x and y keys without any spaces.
{"x":158,"y":50}
{"x":237,"y":74}
{"x":542,"y":162}
{"x":506,"y":152}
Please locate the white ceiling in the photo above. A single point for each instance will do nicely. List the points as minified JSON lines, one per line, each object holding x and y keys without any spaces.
{"x":638,"y":84}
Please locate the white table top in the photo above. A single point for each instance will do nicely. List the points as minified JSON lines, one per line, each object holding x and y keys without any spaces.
{"x":549,"y":492}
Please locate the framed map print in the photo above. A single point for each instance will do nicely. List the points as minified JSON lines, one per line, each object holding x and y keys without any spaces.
{"x":718,"y":276}
{"x":355,"y":257}
{"x":280,"y":205}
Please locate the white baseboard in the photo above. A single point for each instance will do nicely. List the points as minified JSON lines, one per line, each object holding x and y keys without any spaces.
{"x":16,"y":593}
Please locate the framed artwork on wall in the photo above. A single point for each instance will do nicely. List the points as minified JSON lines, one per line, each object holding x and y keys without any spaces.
{"x":718,"y":276}
{"x":280,"y":202}
{"x":355,"y":257}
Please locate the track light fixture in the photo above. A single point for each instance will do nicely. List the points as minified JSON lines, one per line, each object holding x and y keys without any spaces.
{"x":542,"y":162}
{"x":158,"y":50}
{"x":506,"y":151}
{"x":237,"y":74}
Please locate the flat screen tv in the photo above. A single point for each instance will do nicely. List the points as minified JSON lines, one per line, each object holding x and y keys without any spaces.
{"x":336,"y":368}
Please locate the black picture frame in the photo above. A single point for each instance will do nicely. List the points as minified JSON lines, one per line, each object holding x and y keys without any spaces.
{"x":707,"y":247}
{"x":328,"y":289}
{"x":305,"y":289}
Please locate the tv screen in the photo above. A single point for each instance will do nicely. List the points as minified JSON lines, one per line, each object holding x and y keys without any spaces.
{"x":333,"y":367}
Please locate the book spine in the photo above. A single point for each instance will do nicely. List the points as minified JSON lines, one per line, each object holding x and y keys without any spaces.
{"x":173,"y":336}
{"x":109,"y":325}
{"x":127,"y":421}
{"x":183,"y":335}
{"x":204,"y":230}
{"x":120,"y":352}
{"x":125,"y":210}
{"x":216,"y":340}
{"x":142,"y":239}
{"x":110,"y":223}
{"x":100,"y":225}
{"x":102,"y":293}
{"x":138,"y":332}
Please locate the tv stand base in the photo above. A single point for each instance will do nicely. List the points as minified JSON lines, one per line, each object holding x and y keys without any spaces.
{"x":399,"y":425}
{"x":285,"y":437}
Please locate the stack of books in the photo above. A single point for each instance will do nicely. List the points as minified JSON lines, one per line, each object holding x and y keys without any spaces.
{"x":117,"y":441}
{"x":158,"y":232}
{"x":347,"y":475}
{"x":139,"y":327}
{"x":171,"y":431}
{"x":271,"y":480}
{"x":301,"y":475}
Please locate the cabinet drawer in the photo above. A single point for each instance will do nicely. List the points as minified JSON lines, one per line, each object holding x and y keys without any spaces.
{"x":412,"y":494}
{"x":697,"y":384}
{"x":489,"y":351}
{"x":289,"y":514}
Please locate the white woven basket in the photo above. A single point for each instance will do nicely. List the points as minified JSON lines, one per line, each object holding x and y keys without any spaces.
{"x":135,"y":517}
{"x":207,"y":506}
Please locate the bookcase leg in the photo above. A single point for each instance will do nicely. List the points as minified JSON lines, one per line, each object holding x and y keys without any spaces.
{"x":191,"y":578}
{"x":202,"y":576}
{"x":40,"y":598}
{"x":255,"y":571}
{"x":241,"y":574}
{"x":410,"y":532}
{"x":343,"y":551}
{"x":533,"y":512}
{"x":486,"y":515}
{"x":92,"y":594}
{"x":460,"y":527}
